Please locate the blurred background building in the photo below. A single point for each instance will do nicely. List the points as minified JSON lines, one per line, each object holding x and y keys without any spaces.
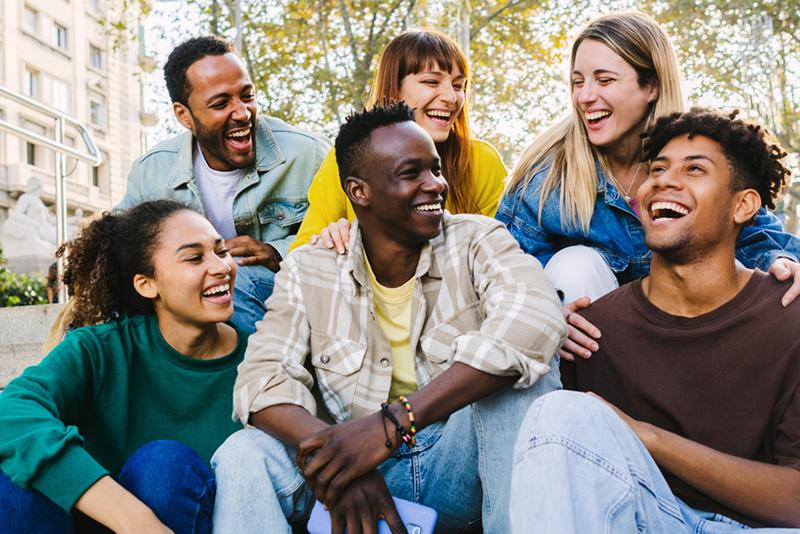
{"x":60,"y":53}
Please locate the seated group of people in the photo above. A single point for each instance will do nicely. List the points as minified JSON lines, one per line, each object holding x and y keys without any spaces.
{"x":411,"y":345}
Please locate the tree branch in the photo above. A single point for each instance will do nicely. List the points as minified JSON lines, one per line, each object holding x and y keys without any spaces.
{"x":496,"y":13}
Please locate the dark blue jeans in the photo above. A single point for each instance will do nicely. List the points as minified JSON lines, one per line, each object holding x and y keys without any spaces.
{"x":167,"y":476}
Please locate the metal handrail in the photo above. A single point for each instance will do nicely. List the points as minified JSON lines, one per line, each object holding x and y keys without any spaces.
{"x":61,"y":150}
{"x":94,"y":158}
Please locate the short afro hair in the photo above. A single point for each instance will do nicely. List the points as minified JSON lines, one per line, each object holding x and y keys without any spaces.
{"x":756,"y":161}
{"x":352,"y":142}
{"x":184,"y":55}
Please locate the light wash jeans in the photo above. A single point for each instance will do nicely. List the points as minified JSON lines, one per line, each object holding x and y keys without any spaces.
{"x":461,"y":468}
{"x":253,"y":286}
{"x":578,"y":468}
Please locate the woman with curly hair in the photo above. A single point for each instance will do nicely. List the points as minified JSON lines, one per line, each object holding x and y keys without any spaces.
{"x":570,"y":201}
{"x":117,"y":424}
{"x":428,"y":71}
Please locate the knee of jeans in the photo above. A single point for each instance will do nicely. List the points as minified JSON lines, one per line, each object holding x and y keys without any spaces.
{"x":564,"y":413}
{"x":27,"y":510}
{"x":248,"y":448}
{"x":162,"y":468}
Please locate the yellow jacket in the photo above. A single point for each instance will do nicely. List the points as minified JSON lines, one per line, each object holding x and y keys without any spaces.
{"x":328,"y":203}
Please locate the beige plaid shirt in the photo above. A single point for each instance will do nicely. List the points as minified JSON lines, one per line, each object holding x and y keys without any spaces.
{"x":478,"y":300}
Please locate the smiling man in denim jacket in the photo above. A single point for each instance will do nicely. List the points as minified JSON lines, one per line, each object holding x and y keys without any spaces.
{"x":249,"y":175}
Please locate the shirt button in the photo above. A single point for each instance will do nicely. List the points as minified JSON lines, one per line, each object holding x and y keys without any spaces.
{"x":385,"y":362}
{"x":280,"y":215}
{"x":324,"y":358}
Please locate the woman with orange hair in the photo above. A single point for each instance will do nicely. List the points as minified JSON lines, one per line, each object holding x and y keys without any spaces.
{"x":428,"y":71}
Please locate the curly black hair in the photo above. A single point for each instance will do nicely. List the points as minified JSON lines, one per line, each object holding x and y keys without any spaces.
{"x":755,"y":160}
{"x":182,"y":58}
{"x":102,"y":261}
{"x":351,"y":143}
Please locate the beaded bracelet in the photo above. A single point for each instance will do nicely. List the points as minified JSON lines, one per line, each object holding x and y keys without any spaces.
{"x":412,"y":430}
{"x":404,"y":435}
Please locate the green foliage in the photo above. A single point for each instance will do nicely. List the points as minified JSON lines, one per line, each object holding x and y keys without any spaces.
{"x":20,"y":289}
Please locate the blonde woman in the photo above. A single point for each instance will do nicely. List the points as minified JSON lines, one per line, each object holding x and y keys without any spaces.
{"x":570,"y":201}
{"x":428,"y":71}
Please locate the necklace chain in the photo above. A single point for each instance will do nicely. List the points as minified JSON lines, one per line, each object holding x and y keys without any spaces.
{"x":626,"y":193}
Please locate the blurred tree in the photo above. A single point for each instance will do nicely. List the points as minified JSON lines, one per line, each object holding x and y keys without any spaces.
{"x":747,"y":54}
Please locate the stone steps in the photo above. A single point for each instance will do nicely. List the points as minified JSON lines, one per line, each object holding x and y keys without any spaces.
{"x":23,"y":330}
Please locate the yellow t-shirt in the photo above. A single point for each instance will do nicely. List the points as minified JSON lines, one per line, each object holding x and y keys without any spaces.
{"x":327,"y":202}
{"x":393,"y":308}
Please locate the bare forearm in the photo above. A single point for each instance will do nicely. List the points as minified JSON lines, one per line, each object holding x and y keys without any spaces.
{"x":289,"y":423}
{"x":109,"y":503}
{"x":768,"y":493}
{"x":452,"y":390}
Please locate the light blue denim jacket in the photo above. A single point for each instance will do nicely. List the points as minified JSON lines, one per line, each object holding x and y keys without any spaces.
{"x":270,"y":202}
{"x":615,"y":231}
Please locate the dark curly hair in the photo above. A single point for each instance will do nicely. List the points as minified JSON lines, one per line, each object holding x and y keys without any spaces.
{"x":102,"y":261}
{"x":755,"y":160}
{"x":351,"y":143}
{"x":182,"y":58}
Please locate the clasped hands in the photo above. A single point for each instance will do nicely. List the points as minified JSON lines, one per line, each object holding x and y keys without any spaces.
{"x":339,"y":463}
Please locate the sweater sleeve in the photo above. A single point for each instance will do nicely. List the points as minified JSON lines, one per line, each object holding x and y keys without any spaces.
{"x":40,"y":447}
{"x":327,"y":202}
{"x":489,"y":174}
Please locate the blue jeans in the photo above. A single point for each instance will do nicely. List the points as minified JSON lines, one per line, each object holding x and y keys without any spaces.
{"x":168,"y":476}
{"x":579,"y":468}
{"x":460,"y":467}
{"x":253,"y":286}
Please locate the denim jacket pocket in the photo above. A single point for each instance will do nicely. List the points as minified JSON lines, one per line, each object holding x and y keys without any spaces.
{"x":283,"y":212}
{"x":437,"y":343}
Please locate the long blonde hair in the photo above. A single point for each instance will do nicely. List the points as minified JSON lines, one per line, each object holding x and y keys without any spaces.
{"x":410,"y":53}
{"x":639,"y":40}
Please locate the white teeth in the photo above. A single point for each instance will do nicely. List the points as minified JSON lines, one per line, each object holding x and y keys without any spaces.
{"x":224,"y":288}
{"x":597,"y":115}
{"x":429,"y":207}
{"x":240,"y":133}
{"x":677,"y":208}
{"x":438,"y":113}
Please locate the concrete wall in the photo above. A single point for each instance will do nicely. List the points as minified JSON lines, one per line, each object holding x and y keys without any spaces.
{"x":23,"y":329}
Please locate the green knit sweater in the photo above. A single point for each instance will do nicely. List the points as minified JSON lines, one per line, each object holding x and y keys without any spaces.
{"x":102,"y":393}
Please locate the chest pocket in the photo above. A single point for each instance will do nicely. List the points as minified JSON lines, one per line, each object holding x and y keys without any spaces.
{"x":437,"y":343}
{"x":284,"y":213}
{"x":336,"y":362}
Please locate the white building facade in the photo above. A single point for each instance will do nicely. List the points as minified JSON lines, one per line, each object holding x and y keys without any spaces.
{"x":58,"y":52}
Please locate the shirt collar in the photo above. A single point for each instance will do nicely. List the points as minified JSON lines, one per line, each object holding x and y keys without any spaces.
{"x":268,"y":155}
{"x":431,"y":258}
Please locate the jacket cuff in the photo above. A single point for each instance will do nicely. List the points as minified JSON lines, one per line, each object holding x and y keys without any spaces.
{"x":768,"y":258}
{"x":288,"y":392}
{"x":282,"y":245}
{"x":499,"y":358}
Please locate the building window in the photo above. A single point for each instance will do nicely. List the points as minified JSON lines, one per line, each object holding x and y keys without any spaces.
{"x":30,"y":153}
{"x":60,"y":36}
{"x":93,"y":5}
{"x":30,"y":20}
{"x":99,"y":173}
{"x":95,"y":57}
{"x":60,"y":95}
{"x":30,"y":82}
{"x":97,"y":111}
{"x":34,"y":154}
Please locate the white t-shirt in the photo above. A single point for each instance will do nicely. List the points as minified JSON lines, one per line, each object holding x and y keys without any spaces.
{"x":217,"y":189}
